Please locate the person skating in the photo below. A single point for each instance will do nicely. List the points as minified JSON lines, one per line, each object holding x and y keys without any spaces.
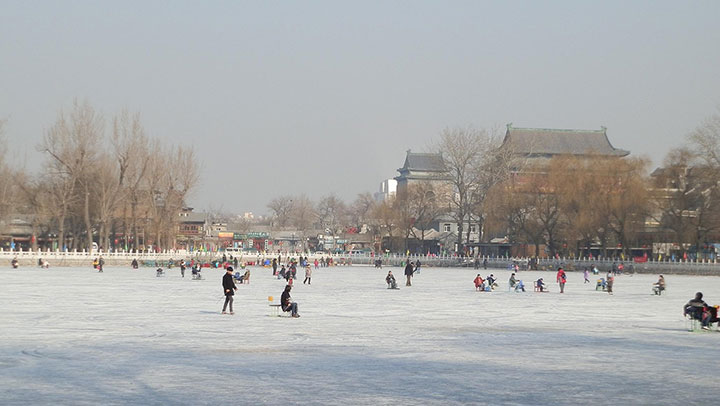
{"x":14,"y":263}
{"x":101,"y":262}
{"x":182,"y":268}
{"x":409,"y":269}
{"x":134,"y":263}
{"x":229,"y":289}
{"x":609,"y":280}
{"x":417,"y":266}
{"x":308,"y":274}
{"x":586,"y":275}
{"x":540,"y":285}
{"x":287,"y":304}
{"x":561,"y":279}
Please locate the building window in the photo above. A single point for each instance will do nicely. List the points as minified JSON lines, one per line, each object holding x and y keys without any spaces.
{"x":446,"y":227}
{"x":472,"y":228}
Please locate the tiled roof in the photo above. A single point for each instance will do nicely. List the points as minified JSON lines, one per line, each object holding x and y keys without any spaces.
{"x":423,"y":162}
{"x":541,"y":141}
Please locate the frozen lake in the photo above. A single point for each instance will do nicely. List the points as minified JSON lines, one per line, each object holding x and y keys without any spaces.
{"x":75,"y":336}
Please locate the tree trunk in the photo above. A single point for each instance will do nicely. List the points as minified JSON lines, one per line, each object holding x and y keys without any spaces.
{"x":133,"y":214}
{"x":88,"y":226}
{"x":61,"y":232}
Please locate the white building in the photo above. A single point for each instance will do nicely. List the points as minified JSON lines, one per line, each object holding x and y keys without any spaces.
{"x":388,"y":189}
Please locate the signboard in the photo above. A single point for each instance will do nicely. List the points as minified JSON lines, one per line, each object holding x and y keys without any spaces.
{"x":225,"y":234}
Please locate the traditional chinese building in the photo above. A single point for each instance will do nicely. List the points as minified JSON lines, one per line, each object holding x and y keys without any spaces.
{"x":421,"y":167}
{"x":538,"y":145}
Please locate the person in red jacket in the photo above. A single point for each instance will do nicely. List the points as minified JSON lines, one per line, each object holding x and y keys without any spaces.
{"x":561,"y":279}
{"x":479,"y":283}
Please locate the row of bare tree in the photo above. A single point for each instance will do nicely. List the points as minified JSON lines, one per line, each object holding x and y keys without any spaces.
{"x":100,"y":183}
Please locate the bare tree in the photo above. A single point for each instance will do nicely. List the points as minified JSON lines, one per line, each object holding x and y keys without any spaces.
{"x":71,"y":145}
{"x":282,"y":210}
{"x":331,"y":213}
{"x":385,"y":220}
{"x":303,"y":215}
{"x":6,"y":176}
{"x":424,"y":208}
{"x":360,"y":210}
{"x":131,"y":148}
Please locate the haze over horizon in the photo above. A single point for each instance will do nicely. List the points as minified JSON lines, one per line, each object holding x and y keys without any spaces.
{"x":325,"y":97}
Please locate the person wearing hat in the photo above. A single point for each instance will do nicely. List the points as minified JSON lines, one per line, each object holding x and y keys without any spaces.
{"x":229,"y":289}
{"x":287,"y":304}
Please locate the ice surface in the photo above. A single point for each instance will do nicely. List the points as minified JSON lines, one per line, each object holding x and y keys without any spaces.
{"x":75,"y":336}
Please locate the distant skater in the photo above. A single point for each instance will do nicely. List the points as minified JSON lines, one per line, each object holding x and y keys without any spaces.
{"x":586,"y":275}
{"x":561,"y":279}
{"x":609,"y":282}
{"x":409,"y":272}
{"x":229,"y":289}
{"x":308,"y":274}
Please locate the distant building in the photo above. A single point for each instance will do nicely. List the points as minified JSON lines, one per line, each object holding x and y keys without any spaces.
{"x":421,"y":167}
{"x":192,"y":229}
{"x":539,"y":145}
{"x":388,"y":188}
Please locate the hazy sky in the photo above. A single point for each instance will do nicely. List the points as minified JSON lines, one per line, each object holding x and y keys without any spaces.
{"x":325,"y":97}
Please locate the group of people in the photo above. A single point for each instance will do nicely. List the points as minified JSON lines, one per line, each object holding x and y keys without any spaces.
{"x":487,"y":284}
{"x":42,"y":263}
{"x":98,"y":264}
{"x":229,"y":289}
{"x":606,"y":283}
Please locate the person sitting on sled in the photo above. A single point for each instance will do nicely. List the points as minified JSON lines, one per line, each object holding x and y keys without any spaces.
{"x":390,"y":280}
{"x":479,"y":283}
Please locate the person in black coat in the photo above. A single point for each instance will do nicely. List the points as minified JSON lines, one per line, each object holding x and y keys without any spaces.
{"x":697,"y":309}
{"x":287,"y":304}
{"x":229,"y":289}
{"x":409,"y":269}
